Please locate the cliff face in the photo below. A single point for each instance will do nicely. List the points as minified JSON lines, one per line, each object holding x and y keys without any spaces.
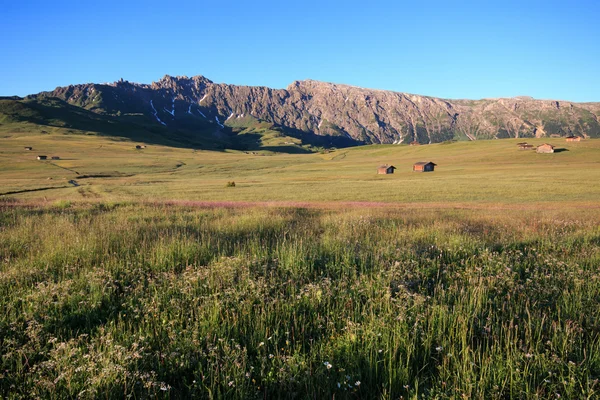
{"x":364,"y":115}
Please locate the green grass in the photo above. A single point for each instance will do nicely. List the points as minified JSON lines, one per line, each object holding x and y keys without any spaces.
{"x":127,"y":301}
{"x":473,"y":173}
{"x":131,"y":273}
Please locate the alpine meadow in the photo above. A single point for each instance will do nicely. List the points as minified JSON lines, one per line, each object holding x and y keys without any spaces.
{"x":143,"y":272}
{"x":359,"y":200}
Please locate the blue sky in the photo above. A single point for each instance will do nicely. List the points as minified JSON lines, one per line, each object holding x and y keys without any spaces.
{"x":464,"y":49}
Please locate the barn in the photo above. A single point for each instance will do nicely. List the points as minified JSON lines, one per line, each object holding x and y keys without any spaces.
{"x":386,"y":169}
{"x":42,"y":157}
{"x":424,"y":166}
{"x":545,"y":148}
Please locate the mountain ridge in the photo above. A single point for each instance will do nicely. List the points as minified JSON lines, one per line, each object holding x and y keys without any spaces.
{"x":334,"y":110}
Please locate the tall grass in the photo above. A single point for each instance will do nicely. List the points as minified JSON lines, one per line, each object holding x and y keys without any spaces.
{"x":129,"y":301}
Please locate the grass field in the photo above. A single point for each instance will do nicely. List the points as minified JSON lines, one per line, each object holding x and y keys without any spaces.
{"x":484,"y":172}
{"x":130,"y":301}
{"x":131,"y":273}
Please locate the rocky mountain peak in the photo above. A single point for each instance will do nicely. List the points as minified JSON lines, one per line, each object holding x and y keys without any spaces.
{"x":331,"y":109}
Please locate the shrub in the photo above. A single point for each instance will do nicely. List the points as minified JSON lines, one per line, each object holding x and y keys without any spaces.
{"x":62,"y":204}
{"x":230,"y":184}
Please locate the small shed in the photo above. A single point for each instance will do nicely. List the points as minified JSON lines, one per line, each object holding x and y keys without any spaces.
{"x":573,"y":138}
{"x":28,"y":148}
{"x":545,"y":148}
{"x":42,"y":157}
{"x":424,"y":166}
{"x":55,"y":157}
{"x":386,"y":169}
{"x":140,"y":146}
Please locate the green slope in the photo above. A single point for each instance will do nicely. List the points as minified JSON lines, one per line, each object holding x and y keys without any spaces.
{"x":480,"y":172}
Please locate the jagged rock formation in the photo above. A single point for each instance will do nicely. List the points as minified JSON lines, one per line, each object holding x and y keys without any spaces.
{"x":363,"y":115}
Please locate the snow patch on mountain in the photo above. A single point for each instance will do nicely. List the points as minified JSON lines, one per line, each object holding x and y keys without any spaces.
{"x":155,"y":113}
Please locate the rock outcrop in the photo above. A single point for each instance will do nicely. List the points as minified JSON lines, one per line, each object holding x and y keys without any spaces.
{"x":327,"y":109}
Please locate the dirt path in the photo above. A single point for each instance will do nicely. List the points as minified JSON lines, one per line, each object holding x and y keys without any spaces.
{"x":67,"y":169}
{"x":32,"y":190}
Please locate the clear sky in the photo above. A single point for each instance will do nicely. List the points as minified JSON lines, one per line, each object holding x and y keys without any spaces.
{"x":451,"y":49}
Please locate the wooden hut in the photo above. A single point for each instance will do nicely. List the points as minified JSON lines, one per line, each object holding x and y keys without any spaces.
{"x":573,"y":138}
{"x":386,"y":169}
{"x":545,"y":148}
{"x":28,"y":148}
{"x":42,"y":157}
{"x":424,"y":166}
{"x":55,"y":157}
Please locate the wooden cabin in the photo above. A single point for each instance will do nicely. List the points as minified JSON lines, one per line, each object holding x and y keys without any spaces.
{"x":55,"y":157}
{"x":42,"y":157}
{"x":573,"y":138}
{"x":424,"y":166}
{"x":28,"y":148}
{"x":386,"y":169}
{"x":545,"y":148}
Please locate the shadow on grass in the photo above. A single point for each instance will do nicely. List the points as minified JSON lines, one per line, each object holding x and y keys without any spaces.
{"x":187,"y":131}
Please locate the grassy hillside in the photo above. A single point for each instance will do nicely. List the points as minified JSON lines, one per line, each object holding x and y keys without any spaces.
{"x":468,"y":172}
{"x":50,"y":115}
{"x":45,"y":115}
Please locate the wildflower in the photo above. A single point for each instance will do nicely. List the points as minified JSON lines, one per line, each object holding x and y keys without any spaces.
{"x":439,"y":348}
{"x":271,"y":356}
{"x":230,"y":383}
{"x":339,"y":385}
{"x":261,"y":344}
{"x":357,"y":383}
{"x":326,"y":363}
{"x":528,"y":355}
